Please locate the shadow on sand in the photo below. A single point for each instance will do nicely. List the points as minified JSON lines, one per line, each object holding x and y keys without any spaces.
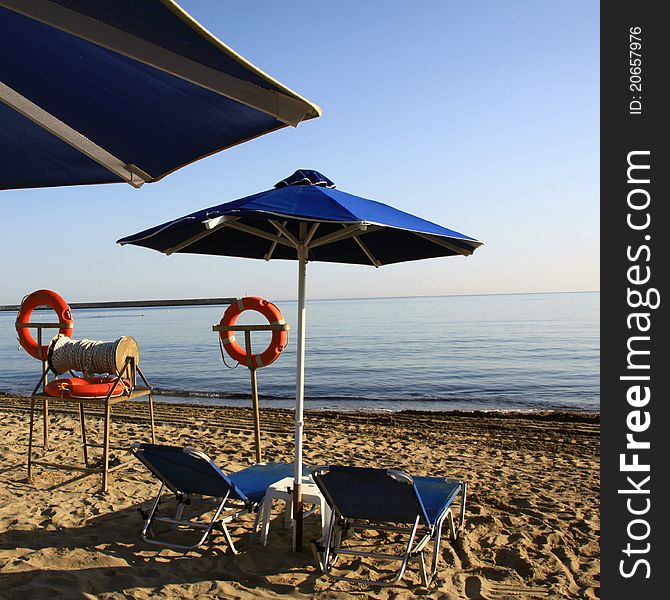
{"x":107,"y":556}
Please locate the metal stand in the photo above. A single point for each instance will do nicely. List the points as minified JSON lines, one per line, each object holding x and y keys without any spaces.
{"x":247,"y":329}
{"x":127,"y":373}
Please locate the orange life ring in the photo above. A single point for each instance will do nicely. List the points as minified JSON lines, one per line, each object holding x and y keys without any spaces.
{"x":274,"y":317}
{"x":85,"y":387}
{"x":30,"y":303}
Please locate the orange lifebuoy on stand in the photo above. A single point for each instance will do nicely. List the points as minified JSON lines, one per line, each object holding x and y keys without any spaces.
{"x":30,"y":303}
{"x":86,"y":387}
{"x":274,"y":316}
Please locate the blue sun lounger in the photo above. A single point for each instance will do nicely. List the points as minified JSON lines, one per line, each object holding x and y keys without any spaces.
{"x":383,"y":499}
{"x":189,"y":474}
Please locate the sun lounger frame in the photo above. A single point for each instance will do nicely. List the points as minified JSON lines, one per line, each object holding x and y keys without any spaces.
{"x":327,"y":549}
{"x":184,"y":499}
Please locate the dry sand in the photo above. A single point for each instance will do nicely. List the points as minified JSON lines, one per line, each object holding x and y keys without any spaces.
{"x":532,"y":517}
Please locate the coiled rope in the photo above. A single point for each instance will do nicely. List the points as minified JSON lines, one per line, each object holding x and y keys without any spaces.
{"x":88,"y":356}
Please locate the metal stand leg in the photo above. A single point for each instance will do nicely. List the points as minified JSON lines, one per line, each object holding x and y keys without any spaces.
{"x":43,"y":381}
{"x":151,"y":398}
{"x":254,"y":396}
{"x":151,"y":417}
{"x":257,"y":418}
{"x":30,"y":438}
{"x":82,"y":421}
{"x":105,"y":452}
{"x":32,"y":419}
{"x":45,"y":407}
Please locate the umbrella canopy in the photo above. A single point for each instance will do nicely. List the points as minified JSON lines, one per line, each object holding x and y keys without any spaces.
{"x":340,"y":227}
{"x":305,"y":218}
{"x":121,"y":90}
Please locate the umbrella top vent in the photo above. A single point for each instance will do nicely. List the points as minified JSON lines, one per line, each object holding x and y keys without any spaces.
{"x":306,"y":177}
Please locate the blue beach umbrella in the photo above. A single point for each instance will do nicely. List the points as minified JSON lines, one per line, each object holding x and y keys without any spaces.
{"x":123,"y":90}
{"x":305,"y":218}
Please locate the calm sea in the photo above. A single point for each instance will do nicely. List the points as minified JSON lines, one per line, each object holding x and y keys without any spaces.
{"x":513,"y":351}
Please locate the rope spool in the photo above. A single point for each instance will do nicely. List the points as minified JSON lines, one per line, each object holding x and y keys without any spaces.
{"x":91,"y":356}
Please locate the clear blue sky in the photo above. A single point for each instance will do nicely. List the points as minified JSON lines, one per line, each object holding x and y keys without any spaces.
{"x":481,"y":116}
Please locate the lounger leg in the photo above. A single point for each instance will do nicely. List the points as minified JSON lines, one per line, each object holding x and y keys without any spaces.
{"x":436,"y":545}
{"x":328,"y":545}
{"x":211,"y":526}
{"x":408,"y":552}
{"x":229,"y":540}
{"x":422,"y":566}
{"x":149,"y":519}
{"x":452,"y":526}
{"x":181,"y":503}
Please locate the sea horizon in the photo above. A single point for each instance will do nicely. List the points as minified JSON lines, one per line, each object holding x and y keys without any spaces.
{"x":6,"y":307}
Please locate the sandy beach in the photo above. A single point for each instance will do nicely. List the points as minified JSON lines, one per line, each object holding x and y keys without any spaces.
{"x":531,"y":529}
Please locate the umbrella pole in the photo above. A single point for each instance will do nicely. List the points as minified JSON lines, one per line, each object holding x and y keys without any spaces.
{"x":299,"y":401}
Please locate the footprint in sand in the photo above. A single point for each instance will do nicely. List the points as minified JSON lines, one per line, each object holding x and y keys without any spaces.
{"x":473,"y":588}
{"x":515,"y":559}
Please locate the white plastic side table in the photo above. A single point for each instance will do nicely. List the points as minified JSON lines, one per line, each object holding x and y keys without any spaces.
{"x":283,"y":490}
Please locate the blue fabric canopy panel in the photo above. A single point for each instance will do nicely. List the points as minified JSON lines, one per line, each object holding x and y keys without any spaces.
{"x":141,"y":80}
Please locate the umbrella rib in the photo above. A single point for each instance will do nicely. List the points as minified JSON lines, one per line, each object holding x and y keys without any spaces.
{"x":56,"y":127}
{"x":281,"y":228}
{"x":268,"y":254}
{"x":273,"y":246}
{"x":259,"y":233}
{"x":287,"y":109}
{"x":347,"y":232}
{"x":445,"y":244}
{"x":231,"y":223}
{"x":196,"y":238}
{"x":375,"y":262}
{"x":310,"y":233}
